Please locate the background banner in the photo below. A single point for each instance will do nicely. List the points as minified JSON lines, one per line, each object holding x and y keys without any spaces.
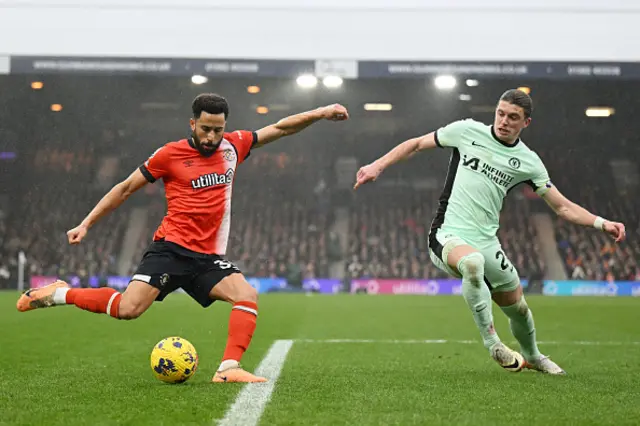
{"x":322,"y":285}
{"x":382,"y":286}
{"x":389,"y":286}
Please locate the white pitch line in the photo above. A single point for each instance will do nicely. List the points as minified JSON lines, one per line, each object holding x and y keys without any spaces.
{"x":464,"y":342}
{"x":253,"y":398}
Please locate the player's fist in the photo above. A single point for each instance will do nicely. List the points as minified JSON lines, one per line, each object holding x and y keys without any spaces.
{"x":366,"y":174}
{"x":335,"y":112}
{"x":615,"y":229}
{"x":77,"y":234}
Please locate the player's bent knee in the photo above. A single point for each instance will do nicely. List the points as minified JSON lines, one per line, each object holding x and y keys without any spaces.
{"x":247,"y":294}
{"x":130,"y":311}
{"x":136,"y":299}
{"x":472,"y":266}
{"x":233,"y":289}
{"x":513,"y":298}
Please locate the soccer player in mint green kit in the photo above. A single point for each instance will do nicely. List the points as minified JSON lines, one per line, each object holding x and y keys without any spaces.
{"x":486,"y":162}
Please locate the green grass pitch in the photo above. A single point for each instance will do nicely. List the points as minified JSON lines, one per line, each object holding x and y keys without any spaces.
{"x":63,"y":366}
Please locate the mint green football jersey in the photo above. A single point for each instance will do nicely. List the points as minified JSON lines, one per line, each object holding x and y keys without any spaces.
{"x":482,"y":170}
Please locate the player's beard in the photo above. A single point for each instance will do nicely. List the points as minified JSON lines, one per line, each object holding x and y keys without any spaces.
{"x":205,"y":152}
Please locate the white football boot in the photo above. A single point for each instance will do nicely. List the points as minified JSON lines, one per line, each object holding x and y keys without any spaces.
{"x":507,"y":358}
{"x":544,"y":365}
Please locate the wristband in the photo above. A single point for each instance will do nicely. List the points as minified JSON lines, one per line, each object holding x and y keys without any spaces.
{"x":599,"y":223}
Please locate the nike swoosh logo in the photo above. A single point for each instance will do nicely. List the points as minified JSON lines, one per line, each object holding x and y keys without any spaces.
{"x":514,"y":365}
{"x":477,"y":144}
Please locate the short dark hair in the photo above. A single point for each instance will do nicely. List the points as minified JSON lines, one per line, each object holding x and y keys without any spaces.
{"x":519,"y":98}
{"x":211,"y":103}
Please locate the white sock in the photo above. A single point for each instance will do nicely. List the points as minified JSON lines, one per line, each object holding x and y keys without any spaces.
{"x":227,"y":364}
{"x":60,"y":295}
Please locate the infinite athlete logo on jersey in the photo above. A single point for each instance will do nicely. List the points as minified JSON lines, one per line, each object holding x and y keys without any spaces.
{"x":212,"y":179}
{"x":497,"y":176}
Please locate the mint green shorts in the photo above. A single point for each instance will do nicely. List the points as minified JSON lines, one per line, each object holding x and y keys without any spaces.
{"x":499,"y":273}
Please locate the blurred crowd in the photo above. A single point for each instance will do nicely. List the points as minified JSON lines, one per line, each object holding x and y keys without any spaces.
{"x":282,"y":217}
{"x":389,"y":236}
{"x":57,"y":196}
{"x":588,"y":254}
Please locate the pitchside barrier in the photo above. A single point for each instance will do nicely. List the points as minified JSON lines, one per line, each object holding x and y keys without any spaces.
{"x":382,"y":286}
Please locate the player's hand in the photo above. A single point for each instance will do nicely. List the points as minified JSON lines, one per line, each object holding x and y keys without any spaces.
{"x":77,"y":234}
{"x":335,"y":112}
{"x":615,"y":229}
{"x":366,"y":174}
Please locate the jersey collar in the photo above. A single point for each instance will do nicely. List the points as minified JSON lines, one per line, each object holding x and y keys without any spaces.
{"x":493,"y":133}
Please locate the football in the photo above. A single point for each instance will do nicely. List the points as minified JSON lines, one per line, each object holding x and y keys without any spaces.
{"x":174,"y":360}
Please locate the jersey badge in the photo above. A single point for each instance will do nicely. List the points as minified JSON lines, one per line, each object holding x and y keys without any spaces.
{"x":514,"y":163}
{"x":229,"y":155}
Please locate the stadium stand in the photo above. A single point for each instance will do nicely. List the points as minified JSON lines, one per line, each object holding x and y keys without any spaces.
{"x":391,"y":242}
{"x":591,"y":255}
{"x":57,"y":195}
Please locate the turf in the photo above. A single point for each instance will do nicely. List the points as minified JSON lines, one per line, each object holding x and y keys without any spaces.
{"x":63,"y":366}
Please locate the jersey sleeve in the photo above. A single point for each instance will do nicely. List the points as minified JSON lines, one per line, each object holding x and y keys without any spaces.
{"x":450,"y":136}
{"x":157,"y":165}
{"x":540,"y":181}
{"x":243,"y":141}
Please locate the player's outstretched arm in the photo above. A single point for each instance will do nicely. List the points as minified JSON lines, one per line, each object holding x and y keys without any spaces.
{"x":295,"y":123}
{"x":112,"y":200}
{"x":572,"y":212}
{"x":401,"y":152}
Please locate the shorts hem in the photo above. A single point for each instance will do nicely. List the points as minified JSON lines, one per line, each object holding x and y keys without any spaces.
{"x":505,"y":288}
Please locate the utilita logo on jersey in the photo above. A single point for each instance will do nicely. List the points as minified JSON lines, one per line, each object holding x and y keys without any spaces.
{"x":212,"y":179}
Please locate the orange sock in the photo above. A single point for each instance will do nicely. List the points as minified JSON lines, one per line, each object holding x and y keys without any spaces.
{"x":242,"y":324}
{"x":103,"y":300}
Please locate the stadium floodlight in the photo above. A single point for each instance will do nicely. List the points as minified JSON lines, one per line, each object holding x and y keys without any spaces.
{"x":525,"y":89}
{"x":445,"y":82}
{"x":599,"y":112}
{"x":464,"y":97}
{"x":199,"y":79}
{"x":307,"y":81}
{"x":472,"y":83}
{"x":332,"y":81}
{"x":378,"y":107}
